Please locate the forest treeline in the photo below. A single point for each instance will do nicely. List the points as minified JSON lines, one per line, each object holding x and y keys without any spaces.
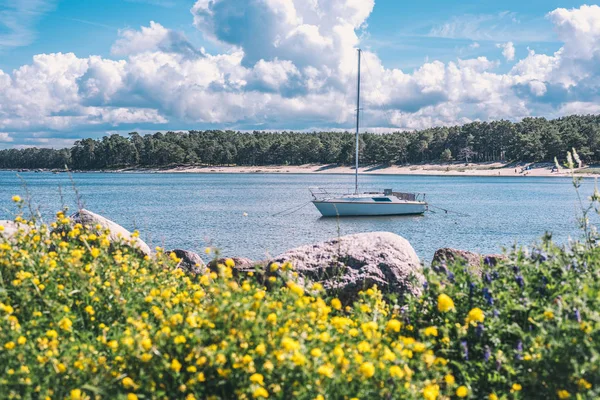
{"x":532,"y":139}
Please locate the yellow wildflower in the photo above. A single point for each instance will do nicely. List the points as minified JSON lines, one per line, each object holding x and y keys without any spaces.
{"x":326,"y":370}
{"x":475,"y":315}
{"x":563,"y":394}
{"x":396,"y":372}
{"x":128,"y":382}
{"x":146,"y":344}
{"x":260,"y":392}
{"x":431,"y":331}
{"x":583,"y":384}
{"x":431,"y":392}
{"x":367,"y":369}
{"x":295,"y":288}
{"x":445,"y":303}
{"x":179,"y":339}
{"x":175,"y":365}
{"x":462,"y":391}
{"x":257,"y":378}
{"x":336,"y":304}
{"x":393,"y":325}
{"x":65,"y":324}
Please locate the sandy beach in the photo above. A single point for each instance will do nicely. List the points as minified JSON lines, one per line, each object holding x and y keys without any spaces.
{"x":453,"y":169}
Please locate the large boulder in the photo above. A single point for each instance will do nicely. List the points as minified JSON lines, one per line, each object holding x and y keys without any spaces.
{"x":117,"y":232}
{"x":11,"y":228}
{"x":349,"y":264}
{"x":190,"y":262}
{"x":472,"y":260}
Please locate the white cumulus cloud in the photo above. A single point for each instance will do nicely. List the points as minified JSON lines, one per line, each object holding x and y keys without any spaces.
{"x":508,"y":50}
{"x":290,"y":64}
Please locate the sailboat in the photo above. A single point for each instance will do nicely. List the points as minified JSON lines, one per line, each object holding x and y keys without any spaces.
{"x":379,"y":202}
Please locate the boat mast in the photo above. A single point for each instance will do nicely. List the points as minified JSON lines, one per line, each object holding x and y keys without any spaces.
{"x":357,"y":124}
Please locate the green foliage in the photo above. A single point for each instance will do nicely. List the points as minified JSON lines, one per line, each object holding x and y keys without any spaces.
{"x":446,"y":155}
{"x":533,"y":139}
{"x":541,"y":324}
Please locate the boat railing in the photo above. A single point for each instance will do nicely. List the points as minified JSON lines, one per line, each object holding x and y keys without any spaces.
{"x":320,"y":193}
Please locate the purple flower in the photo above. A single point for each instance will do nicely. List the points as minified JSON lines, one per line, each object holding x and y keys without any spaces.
{"x":471,"y":289}
{"x":465,"y":348}
{"x":487,"y":278}
{"x":537,"y":254}
{"x":577,"y":315}
{"x":496,"y":313}
{"x":487,"y":354}
{"x":451,"y":276}
{"x":488,"y":296}
{"x":479,"y":330}
{"x":520,"y":281}
{"x":519,"y":355}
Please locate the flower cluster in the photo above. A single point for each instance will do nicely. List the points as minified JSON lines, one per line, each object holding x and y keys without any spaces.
{"x":528,"y":327}
{"x":84,"y":317}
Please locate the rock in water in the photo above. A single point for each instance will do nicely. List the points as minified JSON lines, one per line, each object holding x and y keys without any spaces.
{"x":117,"y":232}
{"x":190,"y":263}
{"x":349,"y":264}
{"x":472,"y":260}
{"x":11,"y":228}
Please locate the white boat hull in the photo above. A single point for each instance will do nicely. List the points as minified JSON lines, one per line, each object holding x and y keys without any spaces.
{"x":329,"y":208}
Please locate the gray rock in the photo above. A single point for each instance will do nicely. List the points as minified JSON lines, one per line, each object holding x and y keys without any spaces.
{"x":11,"y":228}
{"x":353,"y":263}
{"x":117,"y":232}
{"x":242,"y":264}
{"x":472,"y":260}
{"x":190,"y":263}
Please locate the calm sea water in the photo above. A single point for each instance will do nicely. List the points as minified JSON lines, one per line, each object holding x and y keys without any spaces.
{"x":192,"y":211}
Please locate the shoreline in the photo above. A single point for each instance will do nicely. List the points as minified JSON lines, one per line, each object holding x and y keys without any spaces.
{"x":491,"y":169}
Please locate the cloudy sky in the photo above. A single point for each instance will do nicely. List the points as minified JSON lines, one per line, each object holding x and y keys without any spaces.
{"x":72,"y":68}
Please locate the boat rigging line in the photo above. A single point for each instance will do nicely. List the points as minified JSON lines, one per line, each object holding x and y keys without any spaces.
{"x":293,"y":209}
{"x":446,"y":211}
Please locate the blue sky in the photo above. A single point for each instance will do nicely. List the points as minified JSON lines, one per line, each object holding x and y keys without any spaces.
{"x":152,"y":65}
{"x":400,"y":31}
